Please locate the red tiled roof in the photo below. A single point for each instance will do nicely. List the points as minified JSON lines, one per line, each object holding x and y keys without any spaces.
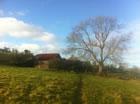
{"x":49,"y":56}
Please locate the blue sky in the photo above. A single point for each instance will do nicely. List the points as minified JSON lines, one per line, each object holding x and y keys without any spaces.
{"x":54,"y":19}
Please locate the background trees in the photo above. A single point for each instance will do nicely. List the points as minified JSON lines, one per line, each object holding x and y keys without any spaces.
{"x":98,"y":40}
{"x":16,"y":58}
{"x":70,"y":65}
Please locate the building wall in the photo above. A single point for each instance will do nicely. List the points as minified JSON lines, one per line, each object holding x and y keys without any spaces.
{"x":43,"y":64}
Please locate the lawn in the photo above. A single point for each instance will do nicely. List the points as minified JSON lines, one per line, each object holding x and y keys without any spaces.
{"x":99,"y":90}
{"x":34,"y":86}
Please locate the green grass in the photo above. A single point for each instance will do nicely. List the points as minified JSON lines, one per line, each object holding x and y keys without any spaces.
{"x":34,"y":86}
{"x":23,"y":86}
{"x":99,"y":90}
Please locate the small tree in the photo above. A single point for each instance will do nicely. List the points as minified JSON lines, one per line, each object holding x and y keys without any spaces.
{"x":96,"y":40}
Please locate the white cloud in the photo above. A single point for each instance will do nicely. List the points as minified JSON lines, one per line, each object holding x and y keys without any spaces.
{"x":35,"y":48}
{"x":47,"y":37}
{"x":4,"y":44}
{"x":20,"y":13}
{"x":21,"y":47}
{"x":12,"y":13}
{"x":133,"y":54}
{"x":18,"y":29}
{"x":16,"y":13}
{"x":10,"y":26}
{"x":1,"y":13}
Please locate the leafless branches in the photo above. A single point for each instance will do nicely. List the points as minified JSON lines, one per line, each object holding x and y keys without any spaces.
{"x":94,"y":37}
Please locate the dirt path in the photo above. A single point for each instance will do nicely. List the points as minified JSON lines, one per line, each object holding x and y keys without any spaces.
{"x":78,"y":92}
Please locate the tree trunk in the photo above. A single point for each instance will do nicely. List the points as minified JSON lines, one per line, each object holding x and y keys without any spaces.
{"x":100,"y":69}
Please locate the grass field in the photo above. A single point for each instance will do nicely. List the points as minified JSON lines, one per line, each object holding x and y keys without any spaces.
{"x":34,"y":86}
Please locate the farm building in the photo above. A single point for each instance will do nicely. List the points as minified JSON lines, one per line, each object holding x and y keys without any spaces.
{"x":43,"y":59}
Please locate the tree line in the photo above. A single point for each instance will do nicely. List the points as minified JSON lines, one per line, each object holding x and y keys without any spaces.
{"x":15,"y":58}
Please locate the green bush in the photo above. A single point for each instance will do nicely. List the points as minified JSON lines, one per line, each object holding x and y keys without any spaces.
{"x":15,"y":58}
{"x":70,"y":65}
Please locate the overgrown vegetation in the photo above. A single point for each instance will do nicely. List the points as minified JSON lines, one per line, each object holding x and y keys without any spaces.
{"x":22,"y":86}
{"x":29,"y":85}
{"x":13,"y":57}
{"x":99,"y":90}
{"x":71,"y":65}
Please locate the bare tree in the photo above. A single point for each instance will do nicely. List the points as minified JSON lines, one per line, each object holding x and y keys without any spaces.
{"x":97,"y":40}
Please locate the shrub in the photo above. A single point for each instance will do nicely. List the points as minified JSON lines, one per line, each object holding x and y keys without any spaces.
{"x":70,"y":65}
{"x":15,"y":58}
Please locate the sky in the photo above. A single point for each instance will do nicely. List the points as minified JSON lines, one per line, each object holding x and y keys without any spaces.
{"x":43,"y":25}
